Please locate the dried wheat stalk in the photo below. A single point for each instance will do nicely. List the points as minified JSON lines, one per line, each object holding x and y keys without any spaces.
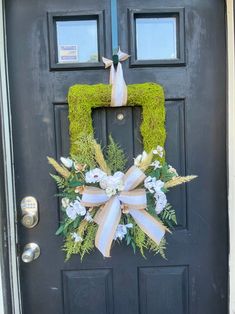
{"x":60,"y":169}
{"x":178,"y":180}
{"x":100,"y":158}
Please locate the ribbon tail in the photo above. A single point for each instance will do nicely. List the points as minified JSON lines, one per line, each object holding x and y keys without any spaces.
{"x":112,"y":75}
{"x":153,"y":228}
{"x":122,"y":56}
{"x":119,"y":89}
{"x":108,"y":221}
{"x":107,"y":62}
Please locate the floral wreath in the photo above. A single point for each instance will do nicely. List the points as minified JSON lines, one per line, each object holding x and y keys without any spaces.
{"x":102,"y":201}
{"x":103,"y":204}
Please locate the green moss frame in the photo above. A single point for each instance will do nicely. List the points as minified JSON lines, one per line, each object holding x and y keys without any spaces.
{"x":83,"y":98}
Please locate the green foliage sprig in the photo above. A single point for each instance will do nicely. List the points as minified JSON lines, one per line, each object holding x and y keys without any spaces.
{"x":115,"y":156}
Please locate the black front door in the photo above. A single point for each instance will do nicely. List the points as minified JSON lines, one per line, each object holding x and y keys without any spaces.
{"x":178,"y":44}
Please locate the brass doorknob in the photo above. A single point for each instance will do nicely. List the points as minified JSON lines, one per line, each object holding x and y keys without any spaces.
{"x":31,"y":252}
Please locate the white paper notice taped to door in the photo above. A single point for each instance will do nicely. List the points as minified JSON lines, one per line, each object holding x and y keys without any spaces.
{"x":68,"y":53}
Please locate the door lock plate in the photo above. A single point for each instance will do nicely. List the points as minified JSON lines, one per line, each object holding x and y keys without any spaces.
{"x":29,"y":211}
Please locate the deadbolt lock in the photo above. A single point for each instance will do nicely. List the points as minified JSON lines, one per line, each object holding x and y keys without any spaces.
{"x":29,"y":210}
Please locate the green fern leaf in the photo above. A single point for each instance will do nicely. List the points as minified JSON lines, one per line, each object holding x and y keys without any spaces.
{"x":116,"y":159}
{"x":61,"y":183}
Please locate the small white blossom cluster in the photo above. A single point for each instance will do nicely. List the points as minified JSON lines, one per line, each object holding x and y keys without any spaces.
{"x":88,"y":217}
{"x":142,"y":157}
{"x":76,"y":237}
{"x":75,"y":209}
{"x":155,"y":186}
{"x":111,"y":184}
{"x":159,"y":151}
{"x":122,"y":231}
{"x":156,"y":164}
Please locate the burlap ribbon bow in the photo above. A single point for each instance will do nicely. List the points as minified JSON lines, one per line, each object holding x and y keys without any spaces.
{"x":116,"y":79}
{"x":109,"y":215}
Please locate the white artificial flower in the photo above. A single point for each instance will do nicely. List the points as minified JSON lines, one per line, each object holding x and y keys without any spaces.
{"x":94,"y":175}
{"x":75,"y":209}
{"x":76,"y":237}
{"x":156,"y":164}
{"x":149,"y":183}
{"x":120,"y":186}
{"x":153,"y":185}
{"x":158,"y":151}
{"x":103,"y":183}
{"x":159,"y":184}
{"x":88,"y":217}
{"x":65,"y":202}
{"x":81,"y":210}
{"x":140,"y":158}
{"x":161,"y":201}
{"x":67,"y":162}
{"x":71,"y":212}
{"x":112,"y":184}
{"x":121,"y":231}
{"x":172,"y":170}
{"x":115,"y":181}
{"x":110,"y":191}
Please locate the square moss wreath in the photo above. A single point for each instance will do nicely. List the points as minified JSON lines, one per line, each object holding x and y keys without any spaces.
{"x":83,"y":98}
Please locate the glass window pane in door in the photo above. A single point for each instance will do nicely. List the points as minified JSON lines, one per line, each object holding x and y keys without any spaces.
{"x":156,"y":38}
{"x":77,"y":41}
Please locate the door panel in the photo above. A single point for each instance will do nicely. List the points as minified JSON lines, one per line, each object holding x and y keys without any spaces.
{"x":170,"y":284}
{"x":81,"y":285}
{"x":193,"y":279}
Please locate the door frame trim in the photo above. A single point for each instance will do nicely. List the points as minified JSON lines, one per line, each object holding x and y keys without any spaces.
{"x":10,"y":234}
{"x":231,"y":147}
{"x":8,"y":180}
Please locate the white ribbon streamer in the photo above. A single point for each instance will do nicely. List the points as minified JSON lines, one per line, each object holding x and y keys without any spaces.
{"x":116,"y":79}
